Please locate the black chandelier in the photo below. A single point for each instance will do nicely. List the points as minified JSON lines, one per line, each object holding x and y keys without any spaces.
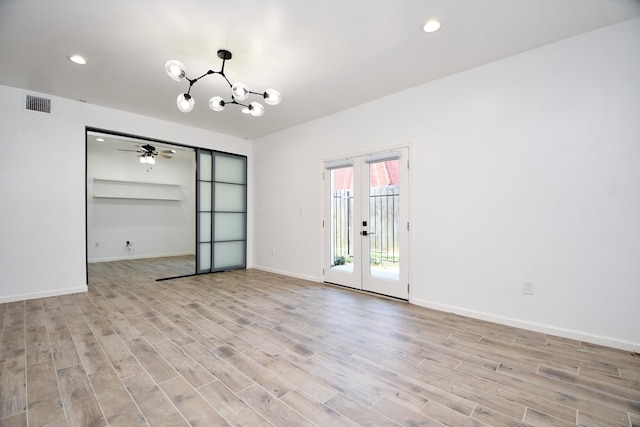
{"x":239,"y":91}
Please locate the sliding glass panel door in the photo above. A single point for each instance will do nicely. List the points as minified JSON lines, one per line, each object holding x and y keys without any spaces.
{"x":204,"y":208}
{"x":230,"y":212}
{"x":222,"y":211}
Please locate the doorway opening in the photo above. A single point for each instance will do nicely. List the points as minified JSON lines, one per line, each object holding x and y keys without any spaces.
{"x":366,"y":223}
{"x":140,"y":201}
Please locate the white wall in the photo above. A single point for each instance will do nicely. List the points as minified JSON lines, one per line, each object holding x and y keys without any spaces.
{"x":156,"y":227}
{"x":526,"y":168}
{"x":42,"y":190}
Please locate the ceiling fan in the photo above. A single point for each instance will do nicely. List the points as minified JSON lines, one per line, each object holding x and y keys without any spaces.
{"x":148,"y":152}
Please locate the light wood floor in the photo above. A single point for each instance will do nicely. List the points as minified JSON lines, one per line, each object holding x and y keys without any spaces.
{"x":252,"y":348}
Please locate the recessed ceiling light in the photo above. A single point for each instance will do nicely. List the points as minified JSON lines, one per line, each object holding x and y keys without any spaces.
{"x":432,"y":26}
{"x":100,"y":139}
{"x":78,"y":59}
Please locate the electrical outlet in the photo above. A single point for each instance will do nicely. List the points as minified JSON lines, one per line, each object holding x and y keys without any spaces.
{"x":527,"y":287}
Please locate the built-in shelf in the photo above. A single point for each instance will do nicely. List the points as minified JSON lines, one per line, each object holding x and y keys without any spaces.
{"x":118,"y":189}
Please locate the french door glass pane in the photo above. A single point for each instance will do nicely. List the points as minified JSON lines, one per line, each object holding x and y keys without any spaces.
{"x":384,"y":204}
{"x":342,"y":219}
{"x":229,"y":226}
{"x":228,"y":254}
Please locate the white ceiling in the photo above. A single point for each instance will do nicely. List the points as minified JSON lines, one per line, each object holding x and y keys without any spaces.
{"x":323,"y":56}
{"x":129,"y":146}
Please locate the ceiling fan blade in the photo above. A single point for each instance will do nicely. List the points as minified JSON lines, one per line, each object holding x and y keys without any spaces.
{"x":164,"y":155}
{"x":167,"y":151}
{"x":123,"y":149}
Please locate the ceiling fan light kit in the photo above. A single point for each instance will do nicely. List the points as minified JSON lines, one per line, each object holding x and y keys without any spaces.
{"x":148,"y":158}
{"x":239,"y":91}
{"x":147,"y":154}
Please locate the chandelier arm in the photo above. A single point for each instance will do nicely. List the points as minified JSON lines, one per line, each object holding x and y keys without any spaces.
{"x":193,"y":81}
{"x":224,"y":60}
{"x":233,"y":101}
{"x":206,"y":74}
{"x":225,"y":77}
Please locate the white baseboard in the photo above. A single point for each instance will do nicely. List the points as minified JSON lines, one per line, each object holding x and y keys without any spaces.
{"x":50,"y":293}
{"x":286,"y":273}
{"x":532,"y":326}
{"x":134,"y":256}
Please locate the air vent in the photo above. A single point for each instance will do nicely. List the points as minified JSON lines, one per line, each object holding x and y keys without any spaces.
{"x":36,"y":103}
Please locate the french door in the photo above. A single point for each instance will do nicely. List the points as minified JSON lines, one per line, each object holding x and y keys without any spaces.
{"x":366,"y":223}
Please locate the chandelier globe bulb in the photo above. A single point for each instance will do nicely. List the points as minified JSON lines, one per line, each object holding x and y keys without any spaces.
{"x":176,"y":70}
{"x":256,"y":109}
{"x":272,"y":97}
{"x":216,"y":103}
{"x":185,"y":102}
{"x":240,"y":91}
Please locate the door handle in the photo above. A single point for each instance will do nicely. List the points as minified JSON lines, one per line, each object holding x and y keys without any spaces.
{"x":366,"y":233}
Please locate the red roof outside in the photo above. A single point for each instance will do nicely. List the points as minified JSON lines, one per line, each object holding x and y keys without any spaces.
{"x":381,"y":174}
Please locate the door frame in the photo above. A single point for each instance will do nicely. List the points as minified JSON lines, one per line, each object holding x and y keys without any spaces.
{"x":117,"y":134}
{"x":406,"y":193}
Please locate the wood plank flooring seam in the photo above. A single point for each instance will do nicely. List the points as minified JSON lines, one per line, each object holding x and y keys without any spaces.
{"x":254,"y":348}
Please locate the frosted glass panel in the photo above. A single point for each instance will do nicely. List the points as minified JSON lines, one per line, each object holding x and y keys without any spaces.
{"x":204,"y":167}
{"x":228,"y":254}
{"x":230,"y":198}
{"x":205,"y":256}
{"x":205,"y":226}
{"x":221,"y":211}
{"x":229,"y":226}
{"x":205,"y":196}
{"x":230,"y":169}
